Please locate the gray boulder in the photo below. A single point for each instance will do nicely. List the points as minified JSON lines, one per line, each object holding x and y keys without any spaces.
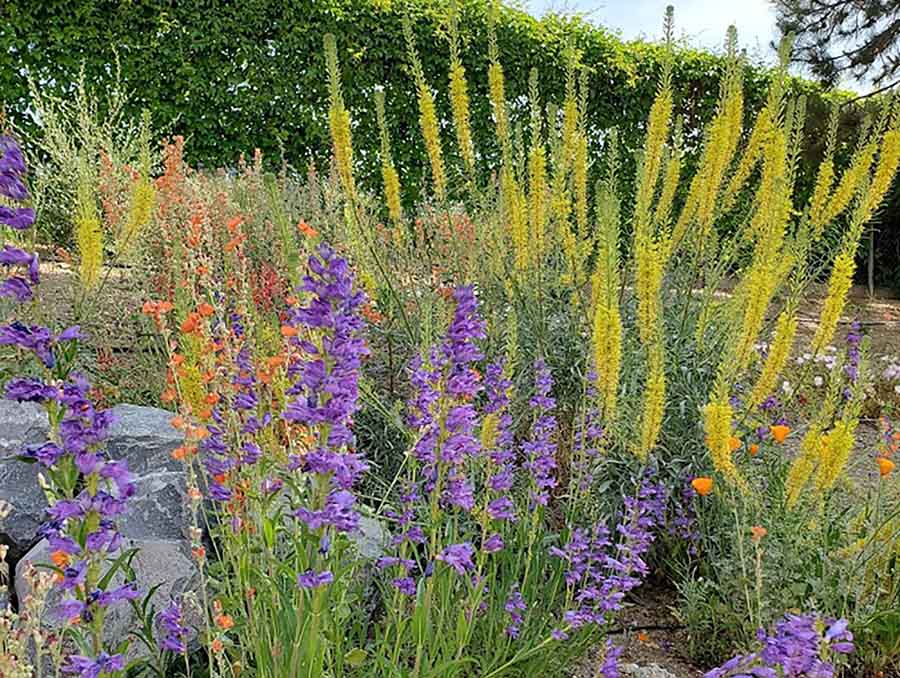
{"x":165,"y":563}
{"x":159,"y":508}
{"x":21,"y":424}
{"x":144,"y":437}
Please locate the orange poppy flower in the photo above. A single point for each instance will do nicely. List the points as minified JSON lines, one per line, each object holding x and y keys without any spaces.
{"x":703,"y":485}
{"x":734,"y":443}
{"x":780,"y":432}
{"x":754,"y":450}
{"x":885,"y":466}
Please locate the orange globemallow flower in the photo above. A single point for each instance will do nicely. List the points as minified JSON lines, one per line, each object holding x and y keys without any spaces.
{"x":885,"y":466}
{"x":205,"y":309}
{"x":734,"y":443}
{"x":307,"y":230}
{"x":224,"y":621}
{"x":217,"y":646}
{"x":758,"y":532}
{"x":60,"y":558}
{"x":288,"y":331}
{"x":703,"y":485}
{"x":780,"y":432}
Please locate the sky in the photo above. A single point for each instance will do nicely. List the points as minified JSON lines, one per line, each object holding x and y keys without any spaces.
{"x":702,"y":22}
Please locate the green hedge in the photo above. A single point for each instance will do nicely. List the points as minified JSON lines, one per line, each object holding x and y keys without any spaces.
{"x":233,"y":76}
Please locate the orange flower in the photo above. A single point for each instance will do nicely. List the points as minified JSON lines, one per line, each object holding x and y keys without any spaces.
{"x":224,"y":621}
{"x":191,"y":323}
{"x":885,"y":466}
{"x":307,"y":230}
{"x":168,"y":395}
{"x":734,"y":443}
{"x":758,"y":532}
{"x":205,"y":309}
{"x":233,"y":224}
{"x":217,"y":646}
{"x":780,"y":432}
{"x":212,"y":398}
{"x":703,"y":485}
{"x":754,"y":450}
{"x":182,"y":452}
{"x":288,"y":331}
{"x":60,"y":558}
{"x":199,"y":553}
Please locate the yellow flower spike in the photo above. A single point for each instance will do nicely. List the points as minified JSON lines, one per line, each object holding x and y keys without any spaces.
{"x":834,"y":454}
{"x":428,"y":119}
{"x":459,"y":96}
{"x":717,"y":416}
{"x":838,"y":286}
{"x":339,"y":119}
{"x":389,"y":173}
{"x":779,"y":352}
{"x":803,"y":465}
{"x":88,"y":233}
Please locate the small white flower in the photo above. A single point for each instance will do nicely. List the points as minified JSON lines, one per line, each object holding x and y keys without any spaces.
{"x":786,"y":387}
{"x":897,"y":389}
{"x":818,"y":381}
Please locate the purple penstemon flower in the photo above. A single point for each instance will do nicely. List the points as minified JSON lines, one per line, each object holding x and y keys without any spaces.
{"x":459,"y":557}
{"x":515,"y":606}
{"x":174,"y":634}
{"x":799,"y":648}
{"x":313,"y":580}
{"x":599,"y":573}
{"x":540,"y":449}
{"x":87,"y":667}
{"x":587,"y":440}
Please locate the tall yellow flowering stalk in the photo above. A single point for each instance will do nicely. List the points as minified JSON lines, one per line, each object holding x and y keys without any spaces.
{"x":870,"y":193}
{"x":720,"y":145}
{"x":459,"y":96}
{"x":717,"y":424}
{"x":497,"y":86}
{"x":779,"y":352}
{"x":428,"y":120}
{"x":651,"y":252}
{"x":537,"y":174}
{"x":607,"y":329}
{"x":88,"y":232}
{"x":143,"y":194}
{"x":389,"y":174}
{"x":339,"y":119}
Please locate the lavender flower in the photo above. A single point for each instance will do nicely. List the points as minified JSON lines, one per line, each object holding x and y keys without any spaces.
{"x":174,"y":634}
{"x":314,"y":580}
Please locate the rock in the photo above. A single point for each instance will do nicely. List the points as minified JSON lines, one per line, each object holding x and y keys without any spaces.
{"x":144,"y":437}
{"x":649,"y":671}
{"x":158,"y":562}
{"x":159,"y":508}
{"x":21,"y":424}
{"x":371,"y":539}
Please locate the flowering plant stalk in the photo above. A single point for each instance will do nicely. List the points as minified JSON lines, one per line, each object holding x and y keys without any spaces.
{"x":87,"y":492}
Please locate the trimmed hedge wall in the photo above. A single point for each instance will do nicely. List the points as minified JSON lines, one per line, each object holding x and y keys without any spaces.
{"x":235,"y":75}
